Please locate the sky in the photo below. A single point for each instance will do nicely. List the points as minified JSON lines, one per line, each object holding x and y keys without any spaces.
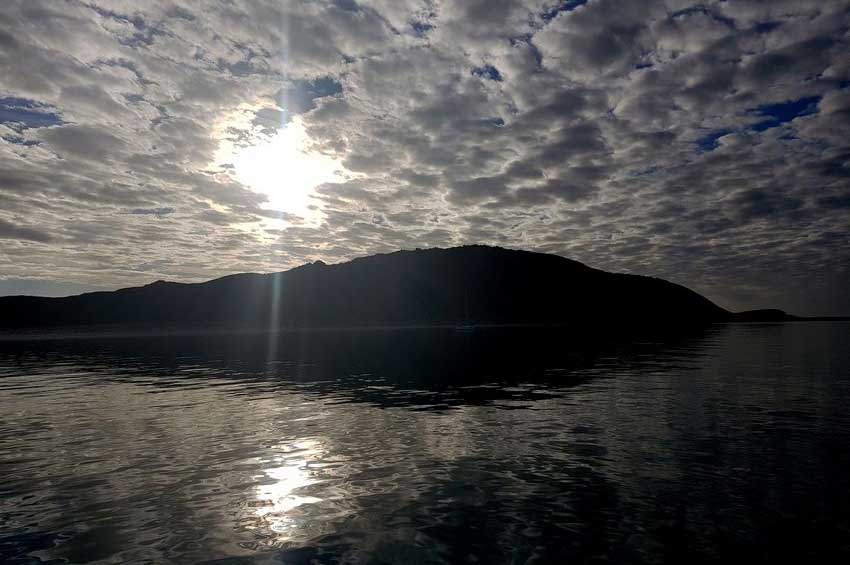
{"x":705,"y":143}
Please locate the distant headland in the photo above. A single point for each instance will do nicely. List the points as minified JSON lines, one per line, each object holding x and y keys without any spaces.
{"x":467,"y":286}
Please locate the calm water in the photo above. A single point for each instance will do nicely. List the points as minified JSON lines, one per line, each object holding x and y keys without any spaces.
{"x":489,"y":446}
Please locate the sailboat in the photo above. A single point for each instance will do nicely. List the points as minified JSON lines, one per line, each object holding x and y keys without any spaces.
{"x":466,"y":325}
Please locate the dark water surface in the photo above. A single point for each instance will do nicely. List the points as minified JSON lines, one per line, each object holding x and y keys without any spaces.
{"x":493,"y":446}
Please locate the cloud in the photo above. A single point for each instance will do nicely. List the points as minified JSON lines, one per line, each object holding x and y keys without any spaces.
{"x":8,"y":230}
{"x":158,"y":212}
{"x":702,"y":142}
{"x":82,"y":142}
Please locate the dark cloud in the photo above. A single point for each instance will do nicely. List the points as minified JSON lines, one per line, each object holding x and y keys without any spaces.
{"x":477,"y":189}
{"x":82,"y":142}
{"x":835,"y":202}
{"x":9,"y":230}
{"x":705,"y":142}
{"x":569,"y":191}
{"x":760,"y":204}
{"x":158,"y":212}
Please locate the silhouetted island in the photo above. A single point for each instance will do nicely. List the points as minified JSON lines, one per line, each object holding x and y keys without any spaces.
{"x":462,"y":285}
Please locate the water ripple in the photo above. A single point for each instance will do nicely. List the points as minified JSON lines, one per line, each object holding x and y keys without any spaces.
{"x":428,"y":447}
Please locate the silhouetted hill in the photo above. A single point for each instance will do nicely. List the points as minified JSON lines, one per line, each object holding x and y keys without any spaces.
{"x":435,"y":286}
{"x":766,"y":315}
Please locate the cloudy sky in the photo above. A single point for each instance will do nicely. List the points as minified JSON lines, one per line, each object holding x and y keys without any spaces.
{"x":706,"y":143}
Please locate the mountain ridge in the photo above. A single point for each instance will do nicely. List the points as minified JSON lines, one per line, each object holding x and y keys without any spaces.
{"x":470,"y":284}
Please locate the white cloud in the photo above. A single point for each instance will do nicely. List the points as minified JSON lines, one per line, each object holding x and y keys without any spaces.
{"x":620,"y":133}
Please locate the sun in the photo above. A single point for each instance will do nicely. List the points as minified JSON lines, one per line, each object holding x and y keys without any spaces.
{"x":285,"y":168}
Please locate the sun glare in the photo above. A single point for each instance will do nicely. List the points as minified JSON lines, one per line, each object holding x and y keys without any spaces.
{"x":286,"y":169}
{"x":280,"y":494}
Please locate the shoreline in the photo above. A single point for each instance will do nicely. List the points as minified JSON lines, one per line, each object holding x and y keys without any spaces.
{"x":105,"y":331}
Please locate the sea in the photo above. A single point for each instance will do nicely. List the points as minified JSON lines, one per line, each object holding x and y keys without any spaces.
{"x":722,"y":444}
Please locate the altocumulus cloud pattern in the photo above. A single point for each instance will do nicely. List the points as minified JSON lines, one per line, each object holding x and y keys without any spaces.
{"x":706,"y":143}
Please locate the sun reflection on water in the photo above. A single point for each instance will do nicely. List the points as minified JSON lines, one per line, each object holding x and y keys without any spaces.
{"x":279,"y":497}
